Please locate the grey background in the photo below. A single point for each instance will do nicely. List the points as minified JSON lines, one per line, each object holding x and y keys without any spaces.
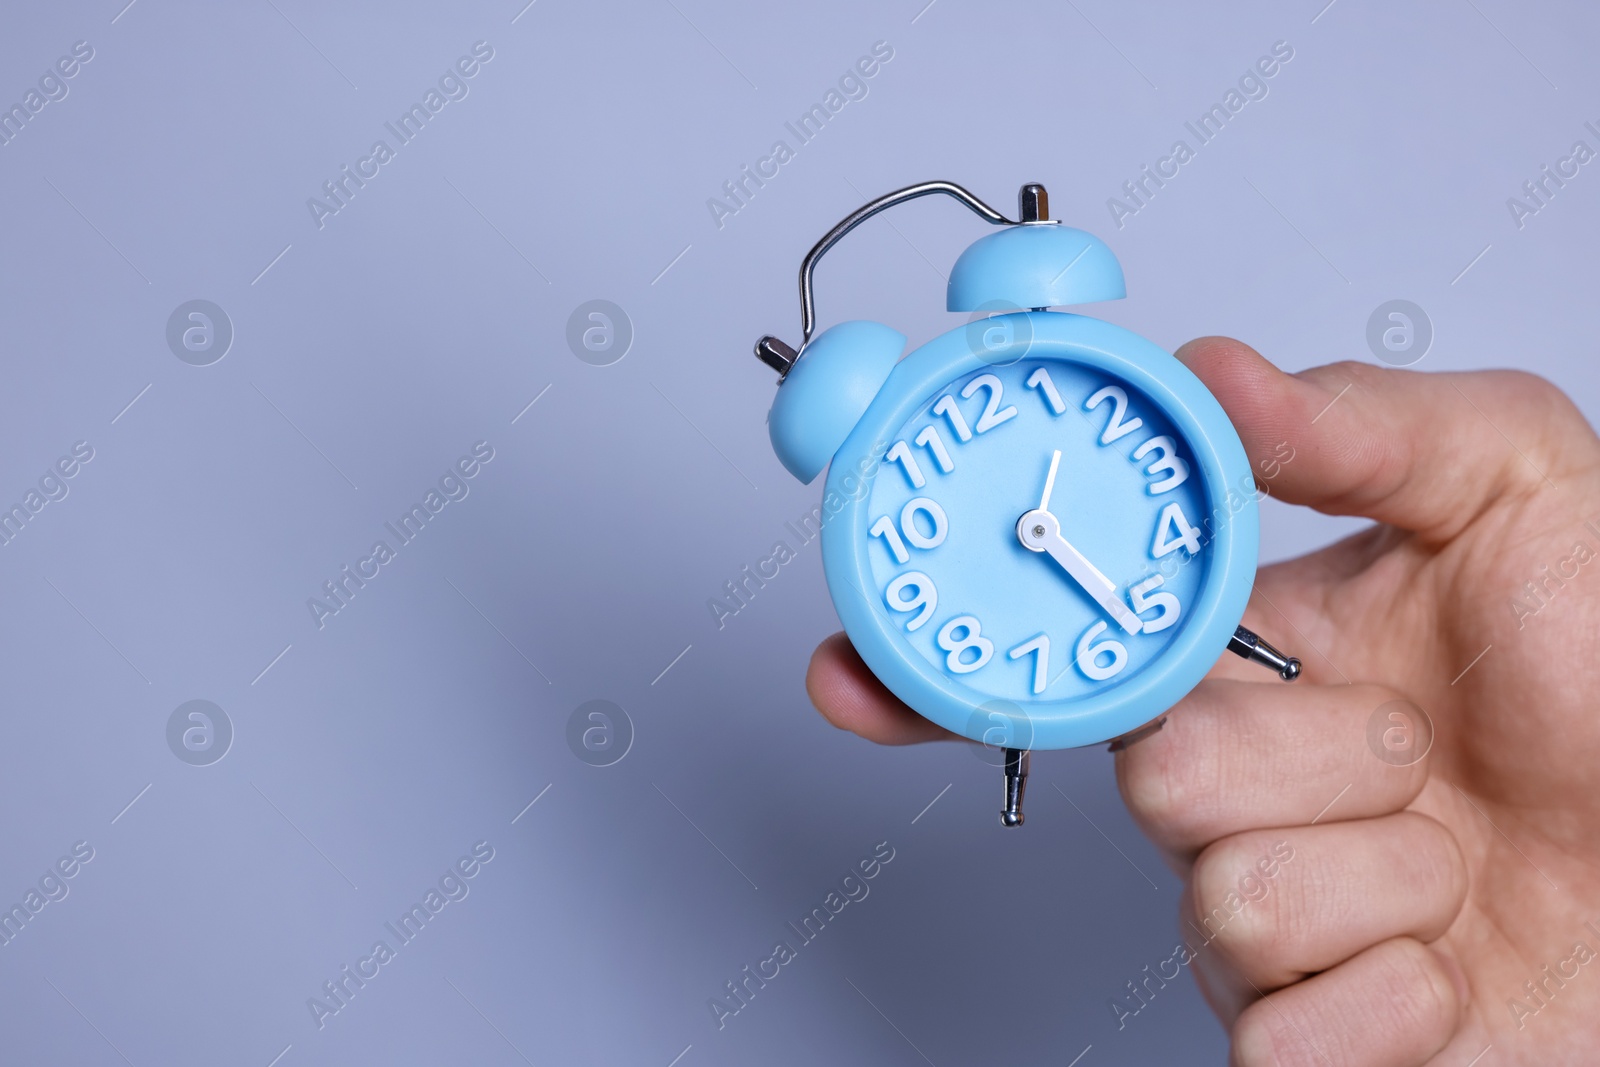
{"x":428,"y":313}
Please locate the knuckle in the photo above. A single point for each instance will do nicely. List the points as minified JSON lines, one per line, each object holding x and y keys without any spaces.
{"x":1146,"y":777}
{"x":1526,"y":386}
{"x":1169,"y":781}
{"x":1348,"y":370}
{"x":1413,"y":988}
{"x":1547,"y":420}
{"x":1399,"y":990}
{"x":1263,"y":1037}
{"x":1437,"y":870}
{"x":1236,"y":909}
{"x":1334,"y":377}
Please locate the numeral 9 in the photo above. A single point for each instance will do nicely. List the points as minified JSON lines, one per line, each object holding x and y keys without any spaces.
{"x":923,"y":600}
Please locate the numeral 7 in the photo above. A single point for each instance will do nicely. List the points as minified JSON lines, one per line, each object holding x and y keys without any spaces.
{"x":1040,"y":647}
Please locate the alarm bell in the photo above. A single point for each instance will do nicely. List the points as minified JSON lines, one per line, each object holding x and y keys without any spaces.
{"x":1034,"y":265}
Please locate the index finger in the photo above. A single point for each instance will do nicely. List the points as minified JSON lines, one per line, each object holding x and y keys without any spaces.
{"x":850,"y":696}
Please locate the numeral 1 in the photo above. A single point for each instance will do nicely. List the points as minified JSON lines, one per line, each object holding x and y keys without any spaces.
{"x":993,"y":414}
{"x":958,"y":425}
{"x":1040,"y":646}
{"x":901,"y":454}
{"x":1040,"y":380}
{"x":885,"y":529}
{"x":929,"y":438}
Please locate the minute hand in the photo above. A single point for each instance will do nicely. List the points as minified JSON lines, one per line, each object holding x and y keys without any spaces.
{"x":1040,"y":532}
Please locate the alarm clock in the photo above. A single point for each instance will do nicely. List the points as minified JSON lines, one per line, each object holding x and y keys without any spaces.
{"x":1039,"y":529}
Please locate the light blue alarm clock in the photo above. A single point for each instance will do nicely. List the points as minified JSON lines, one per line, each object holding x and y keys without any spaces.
{"x":1040,"y":530}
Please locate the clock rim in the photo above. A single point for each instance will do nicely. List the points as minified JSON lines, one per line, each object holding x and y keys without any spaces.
{"x":1222,"y":464}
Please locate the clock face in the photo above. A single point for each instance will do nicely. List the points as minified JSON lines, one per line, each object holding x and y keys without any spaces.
{"x":1031,"y":619}
{"x":1037,"y":531}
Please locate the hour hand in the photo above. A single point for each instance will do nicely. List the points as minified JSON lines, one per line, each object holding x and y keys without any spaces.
{"x":1039,"y":531}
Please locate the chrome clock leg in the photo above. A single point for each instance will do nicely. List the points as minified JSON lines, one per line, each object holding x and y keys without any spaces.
{"x":1246,"y":644}
{"x":1016,"y":785}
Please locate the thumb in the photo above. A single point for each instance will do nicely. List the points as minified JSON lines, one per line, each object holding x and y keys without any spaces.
{"x":1424,"y":452}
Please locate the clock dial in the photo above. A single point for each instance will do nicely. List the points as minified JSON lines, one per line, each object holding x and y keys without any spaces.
{"x":1036,"y":531}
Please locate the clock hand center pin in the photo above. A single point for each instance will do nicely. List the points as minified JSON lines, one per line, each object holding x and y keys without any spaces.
{"x":1040,"y":531}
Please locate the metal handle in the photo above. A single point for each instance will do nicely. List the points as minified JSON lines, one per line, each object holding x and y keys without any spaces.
{"x":779,"y":356}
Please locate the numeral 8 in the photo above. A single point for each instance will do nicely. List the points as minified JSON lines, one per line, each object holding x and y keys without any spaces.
{"x":971,"y":638}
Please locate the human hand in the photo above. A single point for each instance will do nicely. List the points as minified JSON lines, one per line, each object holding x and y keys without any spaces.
{"x":1431,"y":908}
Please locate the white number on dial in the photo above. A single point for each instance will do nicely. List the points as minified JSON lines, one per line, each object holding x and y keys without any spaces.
{"x":885,"y":529}
{"x":1166,"y":461}
{"x":1116,"y":428}
{"x":901,"y":454}
{"x":1040,"y":647}
{"x":912,"y":532}
{"x":923,"y":600}
{"x":936,"y":518}
{"x":1143,"y":600}
{"x":970,"y":639}
{"x":1040,"y":380}
{"x":958,"y":425}
{"x":1089,"y":652}
{"x":992,"y":415}
{"x":929,"y":438}
{"x":1183,"y":534}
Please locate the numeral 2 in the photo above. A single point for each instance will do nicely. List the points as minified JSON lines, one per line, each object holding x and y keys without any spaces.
{"x":992,"y":414}
{"x":1116,"y":428}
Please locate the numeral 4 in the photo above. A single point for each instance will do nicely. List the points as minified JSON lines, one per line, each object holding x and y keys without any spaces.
{"x":1183,"y":534}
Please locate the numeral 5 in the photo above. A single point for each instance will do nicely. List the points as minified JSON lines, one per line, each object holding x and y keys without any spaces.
{"x":1143,"y":600}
